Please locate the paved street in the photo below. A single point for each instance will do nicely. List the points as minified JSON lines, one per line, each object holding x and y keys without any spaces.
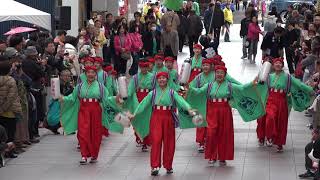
{"x":56,"y":157}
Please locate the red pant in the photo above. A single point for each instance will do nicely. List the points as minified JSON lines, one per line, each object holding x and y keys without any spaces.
{"x":193,"y":74}
{"x":274,"y":124}
{"x":200,"y":135}
{"x":162,"y":130}
{"x":220,"y":133}
{"x":146,"y":140}
{"x":89,"y":128}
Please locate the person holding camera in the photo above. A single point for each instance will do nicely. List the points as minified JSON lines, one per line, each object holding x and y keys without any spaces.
{"x":292,"y":38}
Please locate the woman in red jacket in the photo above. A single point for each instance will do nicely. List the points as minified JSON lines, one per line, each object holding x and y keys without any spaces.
{"x":122,"y":46}
{"x":253,"y":37}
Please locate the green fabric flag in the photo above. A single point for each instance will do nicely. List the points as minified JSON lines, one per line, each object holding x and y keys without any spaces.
{"x":250,"y":100}
{"x":301,"y":95}
{"x":175,"y":5}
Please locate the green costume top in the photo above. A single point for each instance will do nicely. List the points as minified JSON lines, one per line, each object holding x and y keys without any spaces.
{"x":105,"y":79}
{"x":173,"y":75}
{"x":196,"y":62}
{"x":71,"y":105}
{"x":138,"y":81}
{"x":162,"y":69}
{"x":247,"y":99}
{"x":166,"y":97}
{"x":298,"y":93}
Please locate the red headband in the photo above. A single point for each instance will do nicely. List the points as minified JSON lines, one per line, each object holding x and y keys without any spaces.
{"x":221,"y":63}
{"x":98,"y":59}
{"x":280,"y":59}
{"x":165,"y":74}
{"x":114,"y":72}
{"x":108,"y":68}
{"x":87,"y":68}
{"x":86,"y":59}
{"x":143,"y":64}
{"x":158,"y":57}
{"x":217,"y":57}
{"x":207,"y":61}
{"x":170,"y":59}
{"x":219,"y":67}
{"x":197,"y":46}
{"x":151,"y":60}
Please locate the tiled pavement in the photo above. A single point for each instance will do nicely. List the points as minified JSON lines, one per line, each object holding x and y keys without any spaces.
{"x":56,"y":157}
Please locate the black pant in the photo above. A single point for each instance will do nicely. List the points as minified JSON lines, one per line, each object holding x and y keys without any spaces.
{"x":227,"y":34}
{"x":120,"y":65}
{"x":290,"y":58}
{"x":216,"y":36}
{"x":10,"y":125}
{"x":182,"y":38}
{"x":237,"y":5}
{"x":308,"y":161}
{"x":134,"y":68}
{"x":40,"y":110}
{"x":192,"y":40}
{"x":32,"y":123}
{"x":245,"y":4}
{"x":107,"y":54}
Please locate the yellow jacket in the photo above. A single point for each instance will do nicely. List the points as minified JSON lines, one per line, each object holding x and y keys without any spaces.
{"x":228,"y":16}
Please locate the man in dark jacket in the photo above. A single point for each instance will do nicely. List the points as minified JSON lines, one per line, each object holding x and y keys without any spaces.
{"x":216,"y":23}
{"x":273,"y":43}
{"x":182,"y":29}
{"x":54,"y":64}
{"x":35,"y":69}
{"x":244,"y":32}
{"x":207,"y":17}
{"x":194,"y":30}
{"x":292,"y":37}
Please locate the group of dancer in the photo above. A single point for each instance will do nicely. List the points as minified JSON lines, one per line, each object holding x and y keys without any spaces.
{"x":157,"y":106}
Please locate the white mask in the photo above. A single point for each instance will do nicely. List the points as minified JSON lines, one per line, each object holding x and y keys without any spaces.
{"x":153,"y":28}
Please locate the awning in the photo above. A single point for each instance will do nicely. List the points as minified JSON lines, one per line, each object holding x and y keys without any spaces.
{"x":12,"y":10}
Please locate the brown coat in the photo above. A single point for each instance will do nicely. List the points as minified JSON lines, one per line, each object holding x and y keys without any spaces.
{"x":9,"y":98}
{"x":170,"y":18}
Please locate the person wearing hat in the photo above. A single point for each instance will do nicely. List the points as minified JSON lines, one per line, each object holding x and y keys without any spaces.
{"x":151,"y":64}
{"x":86,"y":61}
{"x":196,"y":61}
{"x":159,"y":66}
{"x":155,"y":117}
{"x":173,"y":74}
{"x":283,"y":90}
{"x":82,"y":111}
{"x":206,"y":76}
{"x":3,"y":46}
{"x":139,"y":87}
{"x":219,"y":95}
{"x":35,"y":69}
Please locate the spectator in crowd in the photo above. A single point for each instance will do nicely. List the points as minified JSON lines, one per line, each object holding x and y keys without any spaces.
{"x":253,"y":36}
{"x":316,"y":21}
{"x":108,"y":49}
{"x":208,"y":17}
{"x":17,"y":42}
{"x":245,"y":4}
{"x":23,"y":83}
{"x":169,"y":42}
{"x":99,"y":41}
{"x":60,"y":38}
{"x":274,"y":12}
{"x":98,"y":24}
{"x":4,"y":145}
{"x":295,"y":17}
{"x":308,"y":162}
{"x":194,"y":30}
{"x":228,"y":17}
{"x":3,"y":46}
{"x":137,"y":45}
{"x":308,"y":64}
{"x":10,"y":109}
{"x":151,"y":40}
{"x":122,"y":45}
{"x":54,"y":63}
{"x":237,"y":2}
{"x":244,"y":32}
{"x":217,"y":22}
{"x":35,"y":69}
{"x":273,"y":43}
{"x":292,"y":37}
{"x":136,"y":22}
{"x":182,"y":29}
{"x":172,"y":18}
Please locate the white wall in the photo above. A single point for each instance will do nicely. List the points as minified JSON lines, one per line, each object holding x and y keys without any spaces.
{"x":74,"y":15}
{"x":111,"y":6}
